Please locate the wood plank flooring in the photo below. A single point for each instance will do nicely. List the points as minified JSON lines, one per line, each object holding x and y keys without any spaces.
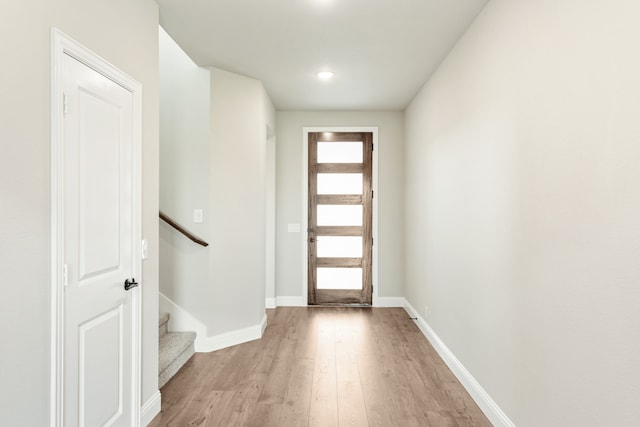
{"x":322,"y":366}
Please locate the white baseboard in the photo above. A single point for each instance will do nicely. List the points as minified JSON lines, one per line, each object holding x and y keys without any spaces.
{"x":180,"y":319}
{"x":270,"y":303}
{"x":232,"y":338}
{"x":480,"y":396}
{"x":302,"y":302}
{"x":388,"y":301}
{"x":263,"y":325}
{"x":291,"y":301}
{"x":150,"y":409}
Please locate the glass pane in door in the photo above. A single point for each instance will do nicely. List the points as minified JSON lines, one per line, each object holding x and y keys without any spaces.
{"x":339,"y":152}
{"x":337,"y":215}
{"x":340,"y":183}
{"x":339,"y":246}
{"x":339,"y":278}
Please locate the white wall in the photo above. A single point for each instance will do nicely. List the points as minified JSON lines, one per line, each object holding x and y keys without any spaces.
{"x":522,"y":211}
{"x":270,"y":142}
{"x":213,"y":157}
{"x":289,"y":149}
{"x":125,"y":33}
{"x":185,"y":140}
{"x":238,"y":203}
{"x":270,"y":219}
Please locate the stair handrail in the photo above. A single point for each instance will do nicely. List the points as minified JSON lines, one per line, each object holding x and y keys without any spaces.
{"x":166,"y":218}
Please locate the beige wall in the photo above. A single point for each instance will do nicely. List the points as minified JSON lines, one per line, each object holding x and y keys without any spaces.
{"x":125,"y":33}
{"x":237,"y":204}
{"x":522,"y":211}
{"x":185,"y":150}
{"x":289,"y":152}
{"x":213,"y":157}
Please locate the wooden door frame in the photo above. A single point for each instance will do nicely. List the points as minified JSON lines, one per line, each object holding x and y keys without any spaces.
{"x":62,"y":45}
{"x":305,"y":208}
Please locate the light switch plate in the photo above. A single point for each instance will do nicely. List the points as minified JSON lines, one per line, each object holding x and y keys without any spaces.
{"x":197,"y":215}
{"x":293,"y":228}
{"x":145,"y":249}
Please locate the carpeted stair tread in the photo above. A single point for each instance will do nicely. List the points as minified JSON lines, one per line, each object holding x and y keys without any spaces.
{"x":175,"y":349}
{"x":163,"y":318}
{"x":163,"y":324}
{"x":173,"y":344}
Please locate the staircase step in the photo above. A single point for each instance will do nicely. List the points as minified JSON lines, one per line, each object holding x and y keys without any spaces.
{"x":163,"y":323}
{"x":175,"y":349}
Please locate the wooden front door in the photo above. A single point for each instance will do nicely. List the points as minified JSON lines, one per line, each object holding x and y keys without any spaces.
{"x":340,"y":218}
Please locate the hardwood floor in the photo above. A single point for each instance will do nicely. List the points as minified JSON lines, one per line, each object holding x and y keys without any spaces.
{"x":322,"y":366}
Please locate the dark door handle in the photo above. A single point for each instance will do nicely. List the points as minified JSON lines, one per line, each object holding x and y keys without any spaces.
{"x":128,"y":284}
{"x":311,"y":240}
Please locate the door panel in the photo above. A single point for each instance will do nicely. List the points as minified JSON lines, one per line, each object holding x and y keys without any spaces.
{"x":340,"y":218}
{"x":100,"y":368}
{"x":98,"y":249}
{"x":98,"y":179}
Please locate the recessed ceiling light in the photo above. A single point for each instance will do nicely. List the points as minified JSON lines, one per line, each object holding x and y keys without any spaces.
{"x":325,"y":75}
{"x":323,"y":2}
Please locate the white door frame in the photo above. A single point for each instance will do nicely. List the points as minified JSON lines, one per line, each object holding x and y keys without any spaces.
{"x":270,"y":179}
{"x":305,"y":203}
{"x":62,"y":45}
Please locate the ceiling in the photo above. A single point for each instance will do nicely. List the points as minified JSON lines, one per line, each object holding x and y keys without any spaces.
{"x":381,"y":51}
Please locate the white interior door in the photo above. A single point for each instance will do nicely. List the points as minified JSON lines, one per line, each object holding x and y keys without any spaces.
{"x":99,"y":210}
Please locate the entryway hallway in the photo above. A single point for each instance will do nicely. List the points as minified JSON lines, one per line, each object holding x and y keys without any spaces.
{"x":322,"y":366}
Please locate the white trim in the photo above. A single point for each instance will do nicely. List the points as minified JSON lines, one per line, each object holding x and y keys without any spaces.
{"x":62,"y":45}
{"x":270,"y":218}
{"x":57,"y":274}
{"x":479,"y":395}
{"x":263,"y":325}
{"x":150,"y":409}
{"x":229,"y":339}
{"x":305,"y":184}
{"x":179,"y":318}
{"x":292,"y":301}
{"x":270,"y":303}
{"x":388,"y":302}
